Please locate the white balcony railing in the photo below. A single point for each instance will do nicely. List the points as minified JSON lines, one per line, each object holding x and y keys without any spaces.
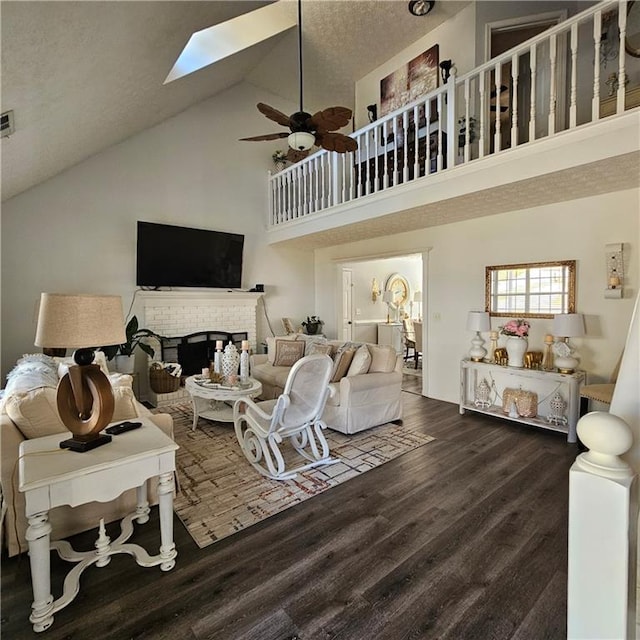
{"x":549,"y":84}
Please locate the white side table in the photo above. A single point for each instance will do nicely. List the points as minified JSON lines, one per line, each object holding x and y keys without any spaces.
{"x":50,"y":477}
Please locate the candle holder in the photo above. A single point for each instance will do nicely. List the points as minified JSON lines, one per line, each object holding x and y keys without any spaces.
{"x":547,"y":360}
{"x":244,"y":361}
{"x":217,"y":362}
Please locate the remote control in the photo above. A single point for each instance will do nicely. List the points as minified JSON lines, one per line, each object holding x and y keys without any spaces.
{"x":117,"y":429}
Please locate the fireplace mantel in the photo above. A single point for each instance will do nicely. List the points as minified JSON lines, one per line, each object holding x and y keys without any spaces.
{"x":197,"y":297}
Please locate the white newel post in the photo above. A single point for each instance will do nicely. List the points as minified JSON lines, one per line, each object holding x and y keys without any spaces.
{"x":601,"y":568}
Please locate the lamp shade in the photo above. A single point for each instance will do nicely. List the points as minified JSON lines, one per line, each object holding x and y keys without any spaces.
{"x":478,"y":321}
{"x":387,"y":296}
{"x":417,"y":296}
{"x":77,"y":321}
{"x":568,"y":325}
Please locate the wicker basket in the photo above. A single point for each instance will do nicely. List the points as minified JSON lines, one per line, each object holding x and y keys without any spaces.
{"x":161,"y":381}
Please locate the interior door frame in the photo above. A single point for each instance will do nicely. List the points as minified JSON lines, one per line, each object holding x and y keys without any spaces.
{"x":552,"y":18}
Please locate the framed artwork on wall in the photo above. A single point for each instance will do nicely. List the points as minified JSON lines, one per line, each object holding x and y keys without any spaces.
{"x":415,"y":79}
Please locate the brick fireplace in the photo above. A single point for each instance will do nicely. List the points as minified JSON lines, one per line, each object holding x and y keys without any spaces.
{"x":180,"y":313}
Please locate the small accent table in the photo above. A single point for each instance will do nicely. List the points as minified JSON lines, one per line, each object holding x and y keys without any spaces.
{"x":50,"y":477}
{"x":215,"y":402}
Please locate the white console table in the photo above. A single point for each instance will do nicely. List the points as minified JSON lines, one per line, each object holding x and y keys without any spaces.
{"x":391,"y":334}
{"x":50,"y":477}
{"x":546,"y":384}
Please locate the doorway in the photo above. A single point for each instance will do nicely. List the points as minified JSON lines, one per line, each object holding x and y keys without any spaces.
{"x":504,"y":35}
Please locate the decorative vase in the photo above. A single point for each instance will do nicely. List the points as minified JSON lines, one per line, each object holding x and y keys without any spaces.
{"x":280,"y":165}
{"x":516,"y":348}
{"x":125,"y":364}
{"x":230,"y":361}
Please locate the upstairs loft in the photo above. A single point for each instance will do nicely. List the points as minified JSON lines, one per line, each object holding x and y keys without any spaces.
{"x":549,"y":123}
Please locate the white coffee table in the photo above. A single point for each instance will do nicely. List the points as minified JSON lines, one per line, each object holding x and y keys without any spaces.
{"x":215,"y":402}
{"x":50,"y":477}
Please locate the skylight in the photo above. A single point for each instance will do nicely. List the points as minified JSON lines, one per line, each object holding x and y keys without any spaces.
{"x":222,"y":40}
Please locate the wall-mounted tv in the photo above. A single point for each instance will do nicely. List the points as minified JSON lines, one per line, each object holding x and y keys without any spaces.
{"x":172,"y":256}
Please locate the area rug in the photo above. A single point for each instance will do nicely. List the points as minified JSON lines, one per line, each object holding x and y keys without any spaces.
{"x":221,"y":493}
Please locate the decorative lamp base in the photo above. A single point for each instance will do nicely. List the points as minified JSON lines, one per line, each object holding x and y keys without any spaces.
{"x":85,"y":445}
{"x":566,"y":364}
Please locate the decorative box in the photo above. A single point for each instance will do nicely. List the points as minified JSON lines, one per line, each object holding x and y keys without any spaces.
{"x":526,"y":402}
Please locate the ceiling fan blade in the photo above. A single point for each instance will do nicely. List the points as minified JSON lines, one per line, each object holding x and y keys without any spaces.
{"x":273,"y":114}
{"x":336,"y":142}
{"x":330,"y":119}
{"x":267,"y":136}
{"x":295,"y":155}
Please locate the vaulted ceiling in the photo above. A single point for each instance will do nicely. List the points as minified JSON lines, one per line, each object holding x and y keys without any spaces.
{"x":82,"y":76}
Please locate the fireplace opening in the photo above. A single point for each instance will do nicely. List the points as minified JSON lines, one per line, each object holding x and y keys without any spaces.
{"x":195,"y":351}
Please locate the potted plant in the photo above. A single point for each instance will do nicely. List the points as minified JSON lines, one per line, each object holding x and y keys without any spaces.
{"x":312,"y":324}
{"x":124,"y":353}
{"x":279,"y":159}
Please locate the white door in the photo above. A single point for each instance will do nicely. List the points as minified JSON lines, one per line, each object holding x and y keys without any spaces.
{"x":347,"y":311}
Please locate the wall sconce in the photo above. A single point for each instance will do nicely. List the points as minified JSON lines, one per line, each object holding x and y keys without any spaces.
{"x":375,"y":290}
{"x":372,"y":112}
{"x":615,"y":271}
{"x":445,"y":70}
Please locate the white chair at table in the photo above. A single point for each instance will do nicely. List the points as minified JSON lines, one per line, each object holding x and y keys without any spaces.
{"x":261,"y":427}
{"x":417,"y":345}
{"x":408,"y":337}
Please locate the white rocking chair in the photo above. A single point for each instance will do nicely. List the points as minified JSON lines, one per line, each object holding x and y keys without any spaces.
{"x":262,"y":426}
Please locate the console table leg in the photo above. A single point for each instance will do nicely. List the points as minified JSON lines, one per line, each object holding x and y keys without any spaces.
{"x":168,"y":551}
{"x":142,"y":510}
{"x":38,"y":537}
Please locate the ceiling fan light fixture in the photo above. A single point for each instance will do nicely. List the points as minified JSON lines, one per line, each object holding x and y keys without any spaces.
{"x":301,"y":140}
{"x":420,"y":7}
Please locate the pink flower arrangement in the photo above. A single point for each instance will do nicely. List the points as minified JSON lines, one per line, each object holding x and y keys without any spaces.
{"x":519,"y":328}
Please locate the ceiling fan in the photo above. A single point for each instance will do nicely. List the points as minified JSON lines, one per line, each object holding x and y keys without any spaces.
{"x":307,"y":130}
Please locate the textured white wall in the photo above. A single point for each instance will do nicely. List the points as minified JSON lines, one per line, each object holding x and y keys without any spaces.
{"x":77,"y":231}
{"x":454,"y":276}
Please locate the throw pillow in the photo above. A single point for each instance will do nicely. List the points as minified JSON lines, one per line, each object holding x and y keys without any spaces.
{"x":271,"y":346}
{"x":342,"y":362}
{"x":383,"y":358}
{"x":288,"y":352}
{"x":361,"y":361}
{"x":319,"y":347}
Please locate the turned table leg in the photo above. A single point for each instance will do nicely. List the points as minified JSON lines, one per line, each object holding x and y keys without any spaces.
{"x":168,"y":551}
{"x":38,"y":537}
{"x":142,"y":510}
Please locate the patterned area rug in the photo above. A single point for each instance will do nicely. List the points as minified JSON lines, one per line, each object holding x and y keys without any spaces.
{"x":221,"y":493}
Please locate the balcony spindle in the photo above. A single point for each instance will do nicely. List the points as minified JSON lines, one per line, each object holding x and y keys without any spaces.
{"x":534,"y":80}
{"x":553,"y":44}
{"x":450,"y":114}
{"x":369,"y":157}
{"x":383,"y":149}
{"x":622,"y":74}
{"x":514,"y":101}
{"x":573,"y":104}
{"x":483,"y":112}
{"x":405,"y":144}
{"x":416,"y":132}
{"x":467,"y":124}
{"x":497,"y":142}
{"x":597,"y":44}
{"x":395,"y":151}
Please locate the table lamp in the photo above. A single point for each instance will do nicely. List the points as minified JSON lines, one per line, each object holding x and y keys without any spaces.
{"x":565,"y":326}
{"x":84,"y":396}
{"x":478,"y":321}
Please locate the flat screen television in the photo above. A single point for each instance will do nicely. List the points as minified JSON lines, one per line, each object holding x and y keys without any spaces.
{"x":172,"y":256}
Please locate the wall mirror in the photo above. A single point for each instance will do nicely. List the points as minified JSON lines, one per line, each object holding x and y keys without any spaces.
{"x":531,"y":290}
{"x":632,"y":39}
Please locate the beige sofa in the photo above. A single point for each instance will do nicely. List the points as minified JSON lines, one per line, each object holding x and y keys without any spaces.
{"x":28,"y":410}
{"x":367,"y":394}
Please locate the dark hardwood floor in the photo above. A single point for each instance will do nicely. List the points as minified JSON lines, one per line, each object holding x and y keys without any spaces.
{"x":462,"y":539}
